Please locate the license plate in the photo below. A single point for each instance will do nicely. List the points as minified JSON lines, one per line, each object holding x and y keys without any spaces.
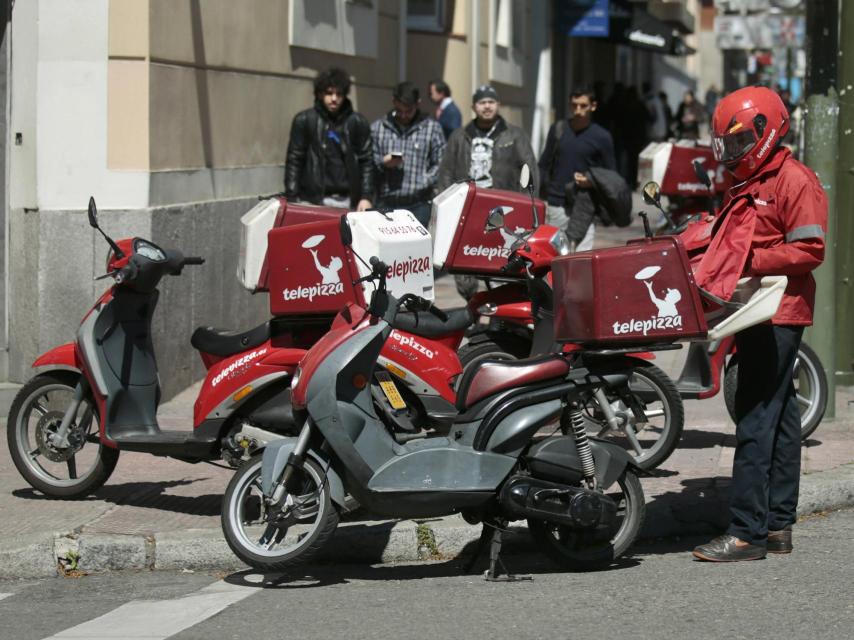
{"x":390,"y":391}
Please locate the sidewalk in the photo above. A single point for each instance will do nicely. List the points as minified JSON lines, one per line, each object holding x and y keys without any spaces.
{"x":159,"y":513}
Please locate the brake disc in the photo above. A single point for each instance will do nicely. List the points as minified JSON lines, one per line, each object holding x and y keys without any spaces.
{"x":47,"y":427}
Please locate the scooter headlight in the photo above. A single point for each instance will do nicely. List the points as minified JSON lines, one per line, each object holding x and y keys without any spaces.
{"x":560,"y":243}
{"x":295,"y":379}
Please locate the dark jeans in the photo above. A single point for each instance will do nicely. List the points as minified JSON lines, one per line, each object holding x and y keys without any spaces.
{"x":767,"y":465}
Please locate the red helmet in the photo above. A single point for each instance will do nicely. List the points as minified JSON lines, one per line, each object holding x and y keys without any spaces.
{"x":746,"y":127}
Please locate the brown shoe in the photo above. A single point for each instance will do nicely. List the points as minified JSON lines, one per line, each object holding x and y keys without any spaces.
{"x":725,"y":548}
{"x":780,"y":541}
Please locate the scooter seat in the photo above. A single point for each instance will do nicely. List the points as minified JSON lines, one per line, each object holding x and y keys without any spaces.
{"x":489,"y":376}
{"x":224,"y":343}
{"x":427,"y":325}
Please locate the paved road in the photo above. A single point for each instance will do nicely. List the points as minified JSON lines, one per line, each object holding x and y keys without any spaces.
{"x":658,"y":593}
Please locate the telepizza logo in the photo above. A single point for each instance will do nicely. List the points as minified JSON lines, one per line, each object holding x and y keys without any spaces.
{"x":409,"y":341}
{"x":237,"y":366}
{"x":330,"y":282}
{"x":668,"y":317}
{"x":408,"y":266}
{"x":495,"y":252}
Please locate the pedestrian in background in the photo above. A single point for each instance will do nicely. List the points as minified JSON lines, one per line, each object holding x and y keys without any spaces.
{"x":668,"y":112}
{"x":572,"y":148}
{"x":635,"y":134}
{"x":329,"y":159}
{"x":658,"y":124}
{"x":489,"y":151}
{"x":689,"y":116}
{"x":408,"y":148}
{"x":447,"y":112}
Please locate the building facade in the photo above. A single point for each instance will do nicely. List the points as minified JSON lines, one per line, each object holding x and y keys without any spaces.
{"x":175,"y":116}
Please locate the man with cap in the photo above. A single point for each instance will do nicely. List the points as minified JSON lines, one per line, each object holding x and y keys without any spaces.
{"x":407,"y":149}
{"x":489,"y":151}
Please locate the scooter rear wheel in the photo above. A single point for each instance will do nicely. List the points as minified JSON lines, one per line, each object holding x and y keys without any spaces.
{"x":579,"y":548}
{"x":302,"y":533}
{"x":37,"y":411}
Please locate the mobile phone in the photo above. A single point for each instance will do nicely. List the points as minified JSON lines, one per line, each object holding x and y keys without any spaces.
{"x":396,"y":154}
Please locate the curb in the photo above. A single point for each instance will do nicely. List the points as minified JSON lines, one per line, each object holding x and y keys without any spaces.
{"x":380,"y":542}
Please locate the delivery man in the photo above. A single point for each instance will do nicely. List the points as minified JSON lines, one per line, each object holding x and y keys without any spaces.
{"x":782,"y":213}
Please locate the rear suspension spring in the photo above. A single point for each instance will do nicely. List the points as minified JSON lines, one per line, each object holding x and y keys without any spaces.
{"x":574,"y":419}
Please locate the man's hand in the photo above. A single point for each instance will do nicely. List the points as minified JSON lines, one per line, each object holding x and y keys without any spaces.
{"x":364,"y":205}
{"x":582,"y":181}
{"x":392,"y":162}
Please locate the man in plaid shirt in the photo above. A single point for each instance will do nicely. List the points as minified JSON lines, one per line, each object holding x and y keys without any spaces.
{"x":408,"y":147}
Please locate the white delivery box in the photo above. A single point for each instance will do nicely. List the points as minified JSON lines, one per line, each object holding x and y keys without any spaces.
{"x":652,"y":162}
{"x":255,"y":224}
{"x":399,"y":240}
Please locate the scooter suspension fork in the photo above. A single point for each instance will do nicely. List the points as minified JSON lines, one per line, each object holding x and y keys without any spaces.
{"x":294,"y":464}
{"x":572,"y":420}
{"x":60,"y":438}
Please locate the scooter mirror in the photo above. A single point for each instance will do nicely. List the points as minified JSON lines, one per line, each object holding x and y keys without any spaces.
{"x":93,"y":213}
{"x":652,"y":193}
{"x":525,"y":176}
{"x":702,"y":174}
{"x":345,"y":231}
{"x":495,"y":219}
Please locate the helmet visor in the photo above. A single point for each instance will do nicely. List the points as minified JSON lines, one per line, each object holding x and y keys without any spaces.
{"x":733,"y":146}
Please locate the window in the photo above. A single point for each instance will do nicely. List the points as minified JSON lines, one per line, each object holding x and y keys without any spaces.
{"x":426,"y":15}
{"x":508,"y":22}
{"x":348,"y":27}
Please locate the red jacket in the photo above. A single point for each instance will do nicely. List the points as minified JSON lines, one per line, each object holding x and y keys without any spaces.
{"x":772,"y":224}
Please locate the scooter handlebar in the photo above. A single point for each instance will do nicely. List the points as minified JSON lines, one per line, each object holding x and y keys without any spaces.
{"x":194,"y":260}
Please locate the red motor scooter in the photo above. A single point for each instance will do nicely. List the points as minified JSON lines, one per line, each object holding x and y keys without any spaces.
{"x":507,"y":245}
{"x":103,"y":389}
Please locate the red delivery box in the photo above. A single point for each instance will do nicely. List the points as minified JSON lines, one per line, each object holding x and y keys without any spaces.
{"x":643,"y":292}
{"x":311,"y":271}
{"x":255,"y":224}
{"x":461,"y":243}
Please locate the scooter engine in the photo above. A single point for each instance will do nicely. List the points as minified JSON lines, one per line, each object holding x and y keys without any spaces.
{"x":577,"y":507}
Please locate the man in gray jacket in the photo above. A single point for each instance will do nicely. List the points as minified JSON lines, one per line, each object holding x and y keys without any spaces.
{"x":489,"y":151}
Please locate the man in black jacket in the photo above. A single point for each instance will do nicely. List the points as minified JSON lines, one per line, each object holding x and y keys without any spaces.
{"x":573,"y":147}
{"x":329,"y":153}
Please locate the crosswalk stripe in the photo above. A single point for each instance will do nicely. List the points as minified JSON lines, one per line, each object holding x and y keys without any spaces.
{"x":159,"y":619}
{"x":5,"y":595}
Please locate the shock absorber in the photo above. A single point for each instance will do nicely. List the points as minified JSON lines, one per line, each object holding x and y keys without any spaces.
{"x":573,"y":420}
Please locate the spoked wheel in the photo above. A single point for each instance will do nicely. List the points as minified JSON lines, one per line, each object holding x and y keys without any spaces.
{"x":277,"y":538}
{"x":71,"y":471}
{"x":586,"y":549}
{"x":810,"y":387}
{"x":651,"y":441}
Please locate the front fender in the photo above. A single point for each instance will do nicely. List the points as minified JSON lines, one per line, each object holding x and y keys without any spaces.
{"x":273,"y":462}
{"x":64,"y":356}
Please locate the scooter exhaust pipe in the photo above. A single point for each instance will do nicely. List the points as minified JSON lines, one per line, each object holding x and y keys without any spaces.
{"x":576,"y":507}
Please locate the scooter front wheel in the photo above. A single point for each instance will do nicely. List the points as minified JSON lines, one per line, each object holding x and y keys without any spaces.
{"x":71,"y":471}
{"x":585,"y":549}
{"x":271,"y":538}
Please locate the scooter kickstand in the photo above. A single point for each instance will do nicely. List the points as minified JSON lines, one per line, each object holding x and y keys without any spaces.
{"x":492,"y":574}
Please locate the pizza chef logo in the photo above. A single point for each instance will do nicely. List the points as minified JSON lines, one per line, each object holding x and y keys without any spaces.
{"x":330,"y":282}
{"x":668,"y":317}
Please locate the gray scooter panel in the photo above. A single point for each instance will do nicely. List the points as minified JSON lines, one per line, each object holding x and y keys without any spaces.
{"x":372,"y":457}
